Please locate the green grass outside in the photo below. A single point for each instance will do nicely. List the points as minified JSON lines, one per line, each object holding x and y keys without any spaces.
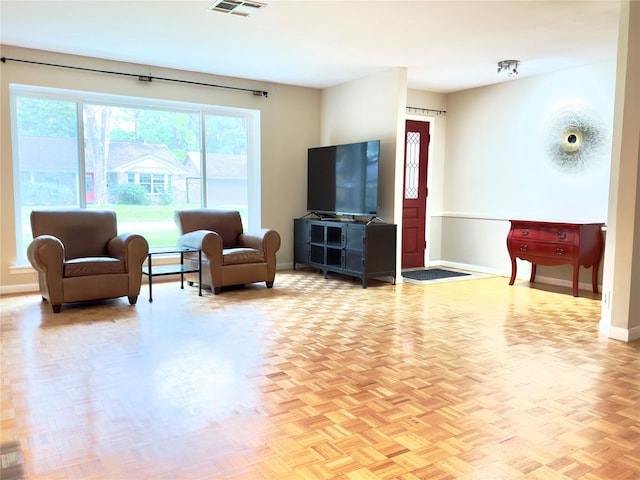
{"x":152,"y":215}
{"x":146,"y":213}
{"x":157,"y":235}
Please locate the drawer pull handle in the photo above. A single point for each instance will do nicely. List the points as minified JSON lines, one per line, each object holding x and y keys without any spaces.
{"x":559,"y":251}
{"x":523,"y":247}
{"x":562,"y":235}
{"x":525,"y":232}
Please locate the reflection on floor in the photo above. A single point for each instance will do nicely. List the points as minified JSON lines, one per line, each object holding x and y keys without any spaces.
{"x":319,"y":379}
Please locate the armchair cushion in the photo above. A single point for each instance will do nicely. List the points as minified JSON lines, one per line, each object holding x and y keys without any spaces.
{"x":226,"y":223}
{"x":79,"y":267}
{"x":83,"y":232}
{"x":236,"y":256}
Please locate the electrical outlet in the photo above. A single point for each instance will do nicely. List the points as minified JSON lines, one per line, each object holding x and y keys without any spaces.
{"x":606,"y":297}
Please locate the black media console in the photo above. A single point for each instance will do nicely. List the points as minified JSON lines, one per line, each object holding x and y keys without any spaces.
{"x":360,"y":249}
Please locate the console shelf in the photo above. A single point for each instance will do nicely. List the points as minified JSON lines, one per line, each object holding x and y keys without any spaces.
{"x":362,"y":250}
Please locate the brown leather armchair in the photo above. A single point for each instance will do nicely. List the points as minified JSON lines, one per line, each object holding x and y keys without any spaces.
{"x":79,"y":256}
{"x":229,"y":256}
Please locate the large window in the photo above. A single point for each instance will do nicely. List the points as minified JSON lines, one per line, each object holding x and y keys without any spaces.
{"x":142,"y":158}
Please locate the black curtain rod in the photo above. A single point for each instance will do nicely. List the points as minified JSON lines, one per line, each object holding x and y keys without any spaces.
{"x":142,"y":78}
{"x":428,"y":110}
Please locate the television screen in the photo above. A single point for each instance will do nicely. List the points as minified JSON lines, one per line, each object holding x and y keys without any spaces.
{"x":343,"y":179}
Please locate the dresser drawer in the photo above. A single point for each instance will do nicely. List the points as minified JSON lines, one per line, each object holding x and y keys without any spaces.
{"x":545,"y":234}
{"x":527,"y":248}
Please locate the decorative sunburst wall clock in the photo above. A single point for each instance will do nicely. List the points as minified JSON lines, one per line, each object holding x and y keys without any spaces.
{"x":576,"y":140}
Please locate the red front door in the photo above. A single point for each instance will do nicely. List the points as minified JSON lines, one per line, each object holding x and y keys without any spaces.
{"x":414,"y":204}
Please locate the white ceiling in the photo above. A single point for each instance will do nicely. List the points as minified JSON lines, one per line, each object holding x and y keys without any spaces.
{"x":446,"y":45}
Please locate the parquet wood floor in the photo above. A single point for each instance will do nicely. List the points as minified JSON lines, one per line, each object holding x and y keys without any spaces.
{"x":321,"y":379}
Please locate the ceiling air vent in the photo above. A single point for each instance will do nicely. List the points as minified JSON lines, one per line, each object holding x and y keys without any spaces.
{"x":237,"y":7}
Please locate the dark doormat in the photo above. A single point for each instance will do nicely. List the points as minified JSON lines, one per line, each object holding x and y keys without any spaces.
{"x":432,"y":274}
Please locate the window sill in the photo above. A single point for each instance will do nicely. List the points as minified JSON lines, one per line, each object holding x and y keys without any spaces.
{"x":21,"y":269}
{"x":28,"y":269}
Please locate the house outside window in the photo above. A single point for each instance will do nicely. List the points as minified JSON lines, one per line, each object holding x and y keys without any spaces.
{"x":154,"y":183}
{"x":144,"y":162}
{"x":145,"y":181}
{"x":159,"y":184}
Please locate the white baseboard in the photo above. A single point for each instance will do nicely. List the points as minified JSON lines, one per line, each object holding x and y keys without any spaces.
{"x":471,"y":268}
{"x":34,"y":287}
{"x":565,"y":283}
{"x":617,"y":333}
{"x":539,"y":279}
{"x":23,"y":288}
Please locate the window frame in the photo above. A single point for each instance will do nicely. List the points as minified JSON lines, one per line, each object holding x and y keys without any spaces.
{"x":80,"y":98}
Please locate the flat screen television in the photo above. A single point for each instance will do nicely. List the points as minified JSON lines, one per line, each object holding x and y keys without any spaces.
{"x":343,"y":179}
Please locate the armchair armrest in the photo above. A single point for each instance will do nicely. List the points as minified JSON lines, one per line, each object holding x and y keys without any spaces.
{"x":266,"y":240}
{"x":209,"y":242}
{"x":130,"y":247}
{"x":46,"y":254}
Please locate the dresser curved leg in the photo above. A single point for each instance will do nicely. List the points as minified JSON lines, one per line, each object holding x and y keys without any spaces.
{"x":594,"y":278}
{"x":576,"y":270}
{"x":533,"y":272}
{"x":514,"y":270}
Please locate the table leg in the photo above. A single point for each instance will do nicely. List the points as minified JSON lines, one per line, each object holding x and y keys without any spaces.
{"x":534,"y":267}
{"x":150,"y":277}
{"x":594,"y":278}
{"x":181,"y":272}
{"x":514,"y":270}
{"x":199,"y":273}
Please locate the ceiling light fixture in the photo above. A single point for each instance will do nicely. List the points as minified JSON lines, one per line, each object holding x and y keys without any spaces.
{"x":243,"y":8}
{"x":509,"y":67}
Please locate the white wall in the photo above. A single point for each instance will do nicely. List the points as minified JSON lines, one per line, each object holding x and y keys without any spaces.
{"x":290,"y":123}
{"x":621,"y":277}
{"x":498,"y":167}
{"x":370,"y":109}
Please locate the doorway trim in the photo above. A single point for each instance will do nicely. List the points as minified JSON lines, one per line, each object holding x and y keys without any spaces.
{"x":400,"y":195}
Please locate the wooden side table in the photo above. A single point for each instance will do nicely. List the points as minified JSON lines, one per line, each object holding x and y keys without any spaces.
{"x":157,"y":270}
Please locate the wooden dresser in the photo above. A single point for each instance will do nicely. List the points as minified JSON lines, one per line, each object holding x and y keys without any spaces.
{"x":552,"y":243}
